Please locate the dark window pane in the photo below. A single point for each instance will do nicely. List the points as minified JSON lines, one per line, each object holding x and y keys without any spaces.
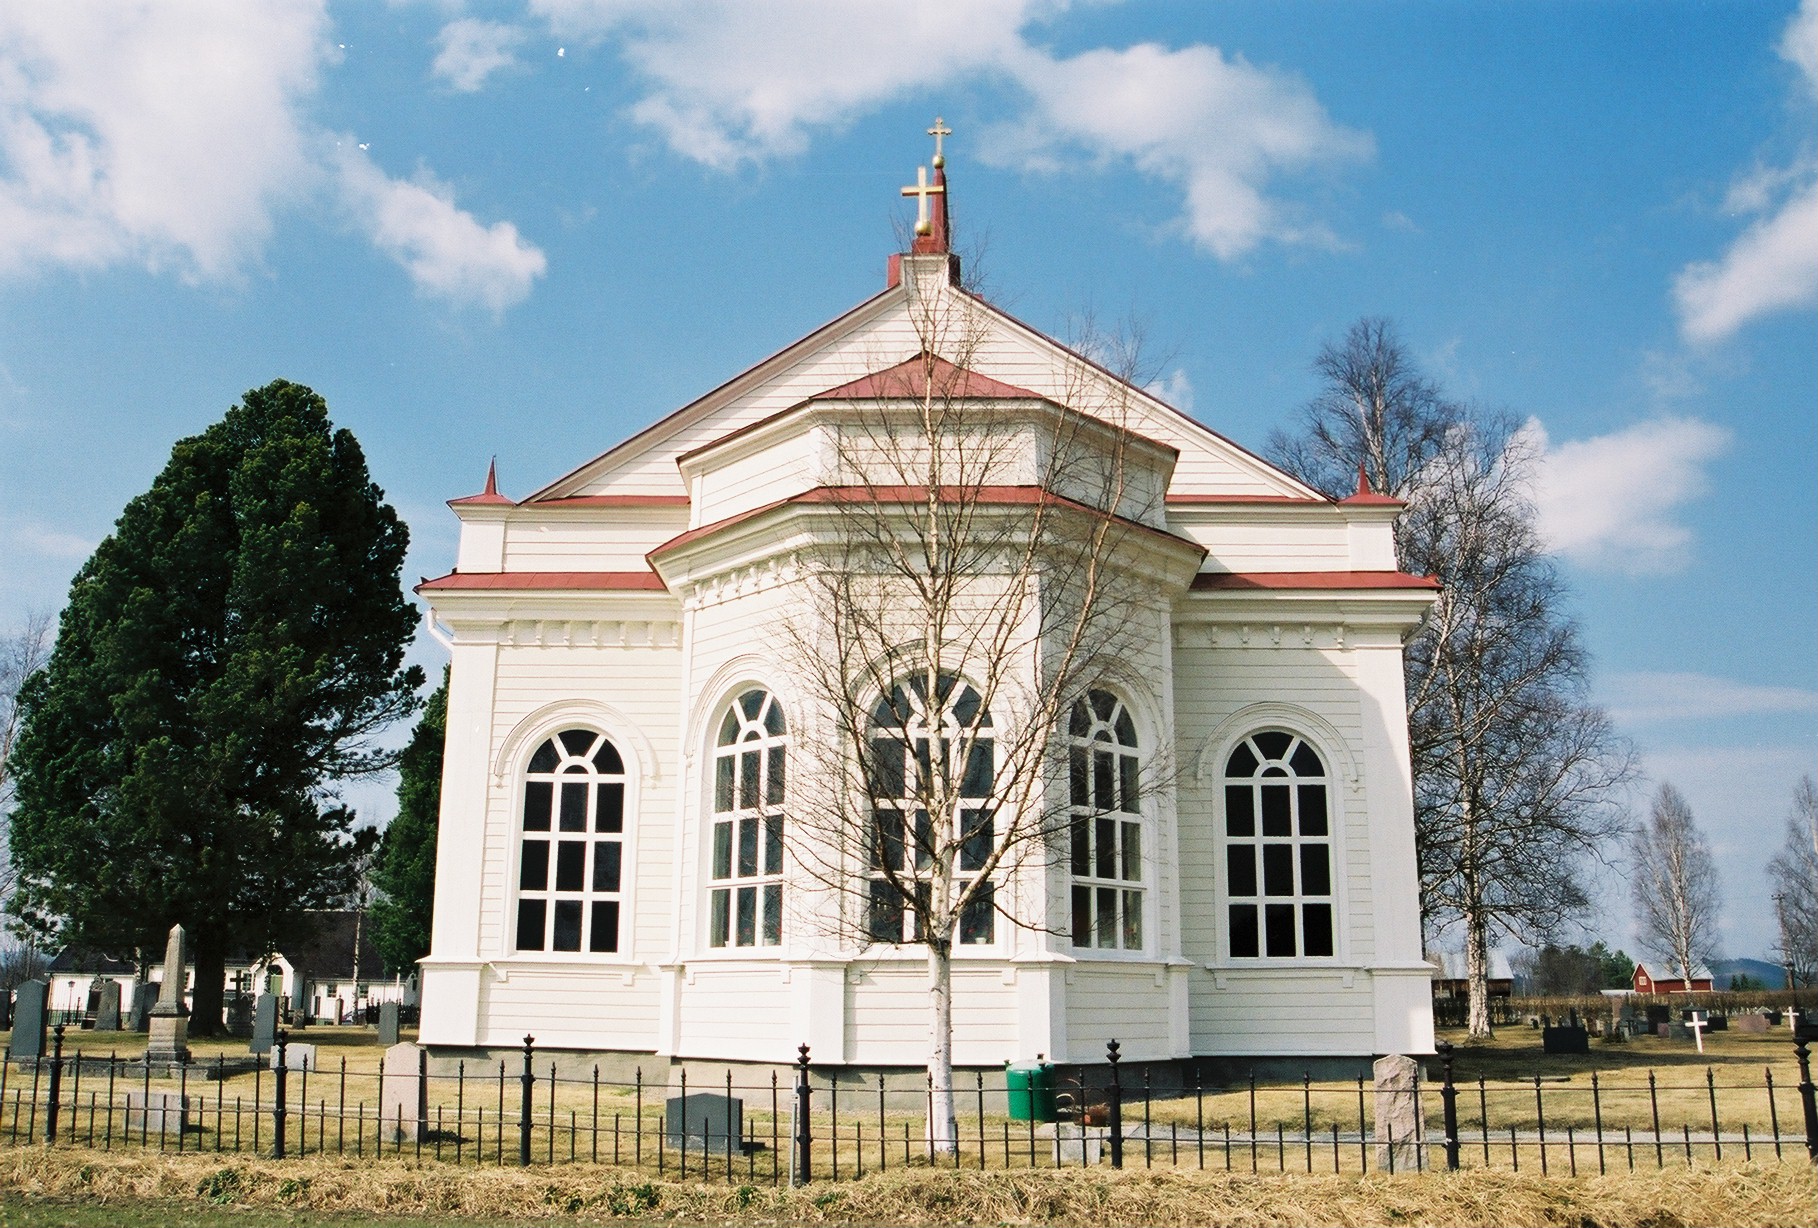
{"x":1275,"y":811}
{"x":1082,"y":916}
{"x":722,"y":850}
{"x":1080,"y":789}
{"x":571,"y":866}
{"x":606,"y":760}
{"x":1312,"y":810}
{"x":1278,"y":921}
{"x":748,"y":847}
{"x":773,"y":719}
{"x":1103,"y":704}
{"x":965,"y":707}
{"x":977,"y":780}
{"x":1240,"y":810}
{"x":609,"y":808}
{"x":751,"y":703}
{"x":776,"y":778}
{"x":574,"y":806}
{"x":1104,"y":795}
{"x":729,"y":728}
{"x":1082,"y":845}
{"x":1129,"y":792}
{"x":1315,"y":870}
{"x":1273,"y":744}
{"x":1126,"y":729}
{"x":924,"y":840}
{"x":922,"y":895}
{"x":1242,"y":761}
{"x":773,"y":844}
{"x":1133,"y":920}
{"x":886,"y":920}
{"x":1306,"y":761}
{"x":538,"y":796}
{"x":545,"y":758}
{"x":748,"y":780}
{"x":533,"y":866}
{"x":1317,"y":918}
{"x":578,"y":742}
{"x":567,"y":926}
{"x":747,"y":916}
{"x":1104,"y":848}
{"x":1243,"y":931}
{"x":924,"y":768}
{"x":1133,"y":852}
{"x":1240,"y":867}
{"x":722,"y":784}
{"x":887,"y":767}
{"x":978,"y":918}
{"x":977,"y":835}
{"x":717,"y":926}
{"x":773,"y":914}
{"x":887,"y":840}
{"x":1079,"y":721}
{"x":606,"y":857}
{"x":531,"y":914}
{"x":1107,"y":917}
{"x":1281,"y":772}
{"x":604,"y":935}
{"x":1278,"y":869}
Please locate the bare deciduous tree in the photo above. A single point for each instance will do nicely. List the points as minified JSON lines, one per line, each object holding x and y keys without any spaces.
{"x":1674,"y":881}
{"x":978,"y":569}
{"x":22,"y":654}
{"x":1794,"y":870}
{"x":1515,"y":770}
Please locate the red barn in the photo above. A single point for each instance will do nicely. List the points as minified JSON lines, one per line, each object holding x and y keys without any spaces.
{"x":1647,"y":982}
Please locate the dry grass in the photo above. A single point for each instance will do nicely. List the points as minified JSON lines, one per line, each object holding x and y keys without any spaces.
{"x":1731,"y":1195}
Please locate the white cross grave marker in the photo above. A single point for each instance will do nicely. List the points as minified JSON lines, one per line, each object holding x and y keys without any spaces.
{"x":1698,"y":1023}
{"x":1792,"y":1018}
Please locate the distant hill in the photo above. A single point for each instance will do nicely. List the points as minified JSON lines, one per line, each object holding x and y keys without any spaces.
{"x":1759,"y":971}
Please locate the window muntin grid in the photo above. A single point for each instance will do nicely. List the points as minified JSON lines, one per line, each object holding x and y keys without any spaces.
{"x":1278,"y":849}
{"x":750,"y":779}
{"x":912,"y":737}
{"x":570,"y":871}
{"x":1106,"y":828}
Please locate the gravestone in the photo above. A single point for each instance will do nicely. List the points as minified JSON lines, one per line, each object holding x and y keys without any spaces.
{"x":1074,"y":1145}
{"x":155,"y":1114}
{"x":297,"y":1056}
{"x":1753,"y":1023}
{"x":6,"y":1010}
{"x":143,"y":997}
{"x":704,"y":1120}
{"x":1676,"y":1030}
{"x":265,"y":1025}
{"x":1659,"y":1013}
{"x":299,"y":998}
{"x":28,"y":1020}
{"x":169,"y":1040}
{"x":107,"y":1011}
{"x":1399,"y":1132}
{"x":404,"y":1096}
{"x":388,"y":1024}
{"x":1564,"y":1038}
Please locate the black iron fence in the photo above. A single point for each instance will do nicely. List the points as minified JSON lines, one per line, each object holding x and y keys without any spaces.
{"x":816,"y":1124}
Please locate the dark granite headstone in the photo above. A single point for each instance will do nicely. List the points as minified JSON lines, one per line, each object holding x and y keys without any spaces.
{"x":1659,"y":1013}
{"x":6,"y":1010}
{"x":29,"y":1012}
{"x":704,"y":1119}
{"x":1563,"y":1038}
{"x":144,"y":995}
{"x":388,"y":1024}
{"x":107,"y":1009}
{"x":265,"y":1025}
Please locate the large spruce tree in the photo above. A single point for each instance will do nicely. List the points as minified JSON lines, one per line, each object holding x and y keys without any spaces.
{"x":404,"y":870}
{"x":225,"y":657}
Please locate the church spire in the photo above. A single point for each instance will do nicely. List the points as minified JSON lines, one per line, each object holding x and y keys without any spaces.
{"x":933,"y":226}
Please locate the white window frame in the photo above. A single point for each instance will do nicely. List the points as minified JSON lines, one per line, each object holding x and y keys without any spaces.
{"x":766,"y":883}
{"x":1330,"y":780}
{"x":1089,"y":818}
{"x":588,"y":895}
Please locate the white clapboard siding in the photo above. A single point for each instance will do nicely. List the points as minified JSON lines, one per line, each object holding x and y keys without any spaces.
{"x":738,"y":1012}
{"x":1106,"y":1003}
{"x":887,"y":1014}
{"x":570,"y":1006}
{"x":1287,"y":544}
{"x":598,"y":542}
{"x":1304,"y":1012}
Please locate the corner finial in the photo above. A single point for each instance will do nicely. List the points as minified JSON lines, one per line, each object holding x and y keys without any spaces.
{"x":492,"y":476}
{"x":1363,"y":480}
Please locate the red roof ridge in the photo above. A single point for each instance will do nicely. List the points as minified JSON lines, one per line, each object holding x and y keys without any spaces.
{"x":645,"y":581}
{"x":1270,"y":580}
{"x":913,"y":376}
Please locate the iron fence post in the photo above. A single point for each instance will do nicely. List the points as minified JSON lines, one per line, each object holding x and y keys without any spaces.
{"x":804,"y":1137}
{"x":1115,"y":1117}
{"x":1448,"y":1096}
{"x":56,"y":1085}
{"x":528,"y":1080}
{"x":277,"y":1096}
{"x":1808,"y":1096}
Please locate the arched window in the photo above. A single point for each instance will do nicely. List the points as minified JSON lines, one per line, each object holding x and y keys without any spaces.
{"x":1107,"y":829}
{"x":1278,"y":848}
{"x":923,"y":749}
{"x":571,"y":857}
{"x":750,"y":774}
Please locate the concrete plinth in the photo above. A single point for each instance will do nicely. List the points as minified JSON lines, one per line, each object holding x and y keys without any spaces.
{"x":169,"y":1040}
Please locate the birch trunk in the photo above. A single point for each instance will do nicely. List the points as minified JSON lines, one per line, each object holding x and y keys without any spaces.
{"x":943,"y":1129}
{"x":1477,"y":973}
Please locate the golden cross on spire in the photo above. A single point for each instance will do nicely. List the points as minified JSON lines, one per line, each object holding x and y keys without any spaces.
{"x":939,"y":130}
{"x":921,"y":189}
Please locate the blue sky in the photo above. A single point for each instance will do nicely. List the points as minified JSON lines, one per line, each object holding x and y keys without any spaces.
{"x":529,"y":229}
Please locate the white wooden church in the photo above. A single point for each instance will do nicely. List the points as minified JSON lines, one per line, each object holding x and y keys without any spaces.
{"x":616,"y":873}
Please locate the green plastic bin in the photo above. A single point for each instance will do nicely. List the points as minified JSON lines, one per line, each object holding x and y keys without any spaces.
{"x":1031,"y":1091}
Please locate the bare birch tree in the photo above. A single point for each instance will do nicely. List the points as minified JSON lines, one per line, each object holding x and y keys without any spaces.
{"x":22,"y":654}
{"x":1516,"y":771}
{"x":1794,"y":870}
{"x":1674,"y":881}
{"x":980,"y":568}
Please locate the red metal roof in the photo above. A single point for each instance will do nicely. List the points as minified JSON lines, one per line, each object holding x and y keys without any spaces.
{"x":1256,"y":580}
{"x":911,"y":378}
{"x":472,"y":581}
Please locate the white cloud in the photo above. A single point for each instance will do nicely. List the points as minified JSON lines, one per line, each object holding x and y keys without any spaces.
{"x":1176,"y":389}
{"x":448,"y":254}
{"x":469,"y":50}
{"x":1648,"y":697}
{"x":730,"y":83}
{"x":1773,"y":265}
{"x":1614,"y":501}
{"x":171,"y":135}
{"x":151,"y":133}
{"x":47,"y":541}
